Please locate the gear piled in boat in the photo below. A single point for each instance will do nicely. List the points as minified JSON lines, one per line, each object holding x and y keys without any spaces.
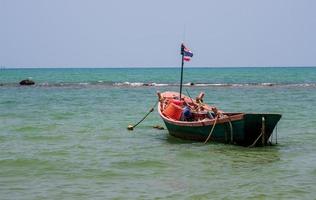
{"x":187,"y":109}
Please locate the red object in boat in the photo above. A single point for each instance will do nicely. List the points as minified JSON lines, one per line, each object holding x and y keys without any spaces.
{"x":177,"y":102}
{"x":173,"y":111}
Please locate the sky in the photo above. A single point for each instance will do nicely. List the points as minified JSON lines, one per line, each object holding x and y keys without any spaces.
{"x":147,"y":33}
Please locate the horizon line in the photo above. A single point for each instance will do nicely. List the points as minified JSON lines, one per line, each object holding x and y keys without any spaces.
{"x":2,"y":67}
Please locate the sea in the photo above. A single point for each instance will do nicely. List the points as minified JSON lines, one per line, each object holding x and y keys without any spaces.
{"x":66,"y":136}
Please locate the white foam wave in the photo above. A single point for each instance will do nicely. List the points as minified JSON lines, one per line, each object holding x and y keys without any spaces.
{"x":266,"y":84}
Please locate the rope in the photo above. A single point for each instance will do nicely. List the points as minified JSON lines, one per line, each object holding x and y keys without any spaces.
{"x":253,"y":144}
{"x":131,"y":127}
{"x":225,"y":134}
{"x":209,"y":135}
{"x":262,"y":133}
{"x":231,"y":130}
{"x":263,"y":130}
{"x":189,"y":95}
{"x":276,"y":134}
{"x":271,"y":138}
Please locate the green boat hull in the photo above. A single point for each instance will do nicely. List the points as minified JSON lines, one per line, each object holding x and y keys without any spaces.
{"x":251,"y":129}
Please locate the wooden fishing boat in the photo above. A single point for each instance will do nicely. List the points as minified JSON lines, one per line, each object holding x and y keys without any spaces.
{"x":192,"y":119}
{"x":207,"y":123}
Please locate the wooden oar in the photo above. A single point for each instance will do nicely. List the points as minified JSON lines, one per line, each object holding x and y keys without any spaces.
{"x":131,"y":127}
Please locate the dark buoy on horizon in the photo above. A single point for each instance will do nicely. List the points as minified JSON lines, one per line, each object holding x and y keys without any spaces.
{"x":27,"y":82}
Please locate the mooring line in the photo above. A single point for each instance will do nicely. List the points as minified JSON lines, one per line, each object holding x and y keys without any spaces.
{"x":262,"y":133}
{"x":209,"y":135}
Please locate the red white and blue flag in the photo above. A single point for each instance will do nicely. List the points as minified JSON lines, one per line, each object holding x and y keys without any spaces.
{"x":187,"y":53}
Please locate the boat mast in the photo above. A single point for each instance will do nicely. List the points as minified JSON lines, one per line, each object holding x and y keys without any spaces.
{"x":181,"y":79}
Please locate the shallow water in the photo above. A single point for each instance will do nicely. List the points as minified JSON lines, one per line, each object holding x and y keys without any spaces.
{"x":72,"y":142}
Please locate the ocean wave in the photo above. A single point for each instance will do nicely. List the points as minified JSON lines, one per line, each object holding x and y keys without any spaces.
{"x":140,"y":84}
{"x":154,"y":84}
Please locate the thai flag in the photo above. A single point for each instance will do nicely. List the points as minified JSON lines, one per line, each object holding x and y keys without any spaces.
{"x":187,"y":53}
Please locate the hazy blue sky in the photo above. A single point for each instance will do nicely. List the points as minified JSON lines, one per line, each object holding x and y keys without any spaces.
{"x":120,"y":33}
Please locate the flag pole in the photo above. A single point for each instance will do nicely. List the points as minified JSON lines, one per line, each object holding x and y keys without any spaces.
{"x":181,"y":79}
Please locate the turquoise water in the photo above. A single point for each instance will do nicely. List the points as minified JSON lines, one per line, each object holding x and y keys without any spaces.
{"x":66,"y":137}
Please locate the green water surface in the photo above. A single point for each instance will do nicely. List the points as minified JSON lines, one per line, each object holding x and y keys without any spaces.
{"x":72,"y":143}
